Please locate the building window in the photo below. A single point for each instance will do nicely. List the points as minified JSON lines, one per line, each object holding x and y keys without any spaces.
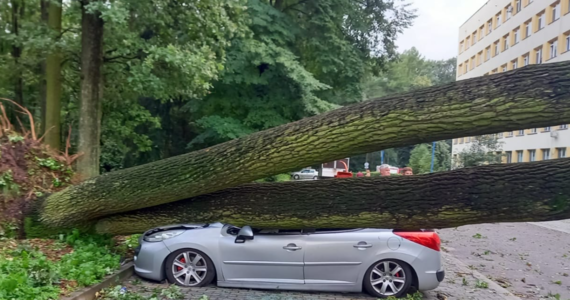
{"x":556,"y":12}
{"x":487,"y":53}
{"x":468,"y":139}
{"x":561,"y":152}
{"x":547,"y":129}
{"x":509,"y":11}
{"x":509,"y":134}
{"x":504,"y":68}
{"x":460,"y":47}
{"x":474,"y":40}
{"x":533,"y":130}
{"x":532,"y":155}
{"x":515,"y":64}
{"x":497,"y":48}
{"x":519,"y":5}
{"x":472,"y":62}
{"x":498,"y":17}
{"x":521,"y":133}
{"x":568,"y":43}
{"x":539,"y":56}
{"x":509,"y":157}
{"x":527,"y":29}
{"x":455,"y":141}
{"x":461,"y":140}
{"x":505,"y":42}
{"x":545,"y":154}
{"x":541,"y":22}
{"x":519,"y":156}
{"x":525,"y":60}
{"x":565,"y":126}
{"x":553,"y":49}
{"x":489,"y":26}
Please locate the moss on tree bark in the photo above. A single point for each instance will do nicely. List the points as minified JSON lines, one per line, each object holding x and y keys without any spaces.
{"x":537,"y":191}
{"x":533,"y":96}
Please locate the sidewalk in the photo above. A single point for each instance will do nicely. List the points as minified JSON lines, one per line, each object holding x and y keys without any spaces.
{"x":459,"y":284}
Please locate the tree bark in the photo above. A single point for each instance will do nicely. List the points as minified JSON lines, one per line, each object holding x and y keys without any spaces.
{"x":533,"y":96}
{"x":537,"y":191}
{"x":44,"y":7}
{"x":17,"y":14}
{"x":91,"y":92}
{"x":53,"y":83}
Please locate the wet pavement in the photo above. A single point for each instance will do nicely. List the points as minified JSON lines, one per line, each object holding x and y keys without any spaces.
{"x":532,"y":260}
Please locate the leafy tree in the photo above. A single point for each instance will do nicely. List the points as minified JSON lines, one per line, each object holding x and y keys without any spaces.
{"x":442,"y":156}
{"x":485,"y":149}
{"x":420,"y":159}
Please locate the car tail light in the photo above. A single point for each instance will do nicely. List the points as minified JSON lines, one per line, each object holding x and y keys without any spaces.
{"x":427,"y":239}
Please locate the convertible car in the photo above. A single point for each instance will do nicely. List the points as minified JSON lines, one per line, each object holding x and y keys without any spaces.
{"x":383,"y":262}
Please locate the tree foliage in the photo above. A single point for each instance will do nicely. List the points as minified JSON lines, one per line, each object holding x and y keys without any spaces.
{"x":485,"y":149}
{"x":409,"y":72}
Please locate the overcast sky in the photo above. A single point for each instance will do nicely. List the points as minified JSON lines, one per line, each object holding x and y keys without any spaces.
{"x":436,"y":29}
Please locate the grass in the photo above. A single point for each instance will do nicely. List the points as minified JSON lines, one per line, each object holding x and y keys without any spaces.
{"x":46,"y":269}
{"x":481,"y":284}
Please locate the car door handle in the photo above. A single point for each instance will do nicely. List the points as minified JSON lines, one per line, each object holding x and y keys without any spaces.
{"x":292,"y":247}
{"x":362,"y":246}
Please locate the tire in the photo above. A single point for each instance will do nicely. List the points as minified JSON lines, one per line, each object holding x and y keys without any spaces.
{"x":296,"y":177}
{"x":392,"y":284}
{"x":202,"y":271}
{"x":315,"y":178}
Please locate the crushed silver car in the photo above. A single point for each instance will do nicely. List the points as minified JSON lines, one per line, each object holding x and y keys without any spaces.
{"x":383,"y":262}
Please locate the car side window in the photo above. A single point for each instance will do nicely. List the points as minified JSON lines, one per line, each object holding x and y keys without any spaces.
{"x":277,"y":231}
{"x":333,"y":230}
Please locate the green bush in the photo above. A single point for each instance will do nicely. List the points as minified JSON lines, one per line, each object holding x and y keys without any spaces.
{"x":26,"y":274}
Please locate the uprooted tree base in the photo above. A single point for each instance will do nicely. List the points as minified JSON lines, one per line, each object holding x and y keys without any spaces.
{"x":537,"y":191}
{"x":28,"y":170}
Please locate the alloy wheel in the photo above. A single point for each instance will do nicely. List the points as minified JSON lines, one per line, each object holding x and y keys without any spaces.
{"x":189,"y":268}
{"x":388,"y":278}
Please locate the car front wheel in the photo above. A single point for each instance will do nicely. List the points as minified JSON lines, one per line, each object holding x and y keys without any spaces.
{"x":296,"y":177}
{"x":388,"y":278}
{"x":189,"y":267}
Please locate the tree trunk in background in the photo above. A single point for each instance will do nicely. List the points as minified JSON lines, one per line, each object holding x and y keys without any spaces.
{"x":44,"y":6}
{"x":53,"y":83}
{"x":17,"y":15}
{"x":91,"y":92}
{"x":534,"y":96}
{"x":537,"y":191}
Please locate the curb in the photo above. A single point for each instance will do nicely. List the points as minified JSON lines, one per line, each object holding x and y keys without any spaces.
{"x":507,"y":295}
{"x":89,"y":293}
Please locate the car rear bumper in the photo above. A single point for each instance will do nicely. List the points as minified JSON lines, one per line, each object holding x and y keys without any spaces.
{"x":440,"y":275}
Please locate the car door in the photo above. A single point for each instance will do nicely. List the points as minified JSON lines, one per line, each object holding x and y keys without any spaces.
{"x":305,"y":174}
{"x":269,"y":258}
{"x":337,"y":256}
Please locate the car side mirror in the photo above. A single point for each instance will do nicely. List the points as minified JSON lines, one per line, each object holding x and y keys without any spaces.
{"x":244,"y":234}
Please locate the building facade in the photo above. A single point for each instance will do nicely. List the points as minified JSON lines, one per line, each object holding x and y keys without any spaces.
{"x":508,"y":34}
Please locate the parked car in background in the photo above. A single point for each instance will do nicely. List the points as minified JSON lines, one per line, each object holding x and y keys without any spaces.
{"x":383,"y":262}
{"x":305,"y":174}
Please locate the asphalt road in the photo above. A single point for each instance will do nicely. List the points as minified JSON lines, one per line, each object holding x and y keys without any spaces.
{"x":531,"y":260}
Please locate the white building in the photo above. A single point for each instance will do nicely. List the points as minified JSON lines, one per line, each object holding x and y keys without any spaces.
{"x":508,"y":34}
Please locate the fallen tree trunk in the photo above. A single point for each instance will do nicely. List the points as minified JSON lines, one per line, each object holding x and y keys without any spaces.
{"x":537,"y":191}
{"x":533,"y":96}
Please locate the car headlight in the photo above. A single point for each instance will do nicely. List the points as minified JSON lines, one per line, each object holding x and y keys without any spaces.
{"x":163,"y":235}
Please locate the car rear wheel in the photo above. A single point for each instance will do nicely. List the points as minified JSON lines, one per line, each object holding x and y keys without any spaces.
{"x":296,"y":177}
{"x":189,"y":267}
{"x":315,"y":178}
{"x":388,"y":278}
